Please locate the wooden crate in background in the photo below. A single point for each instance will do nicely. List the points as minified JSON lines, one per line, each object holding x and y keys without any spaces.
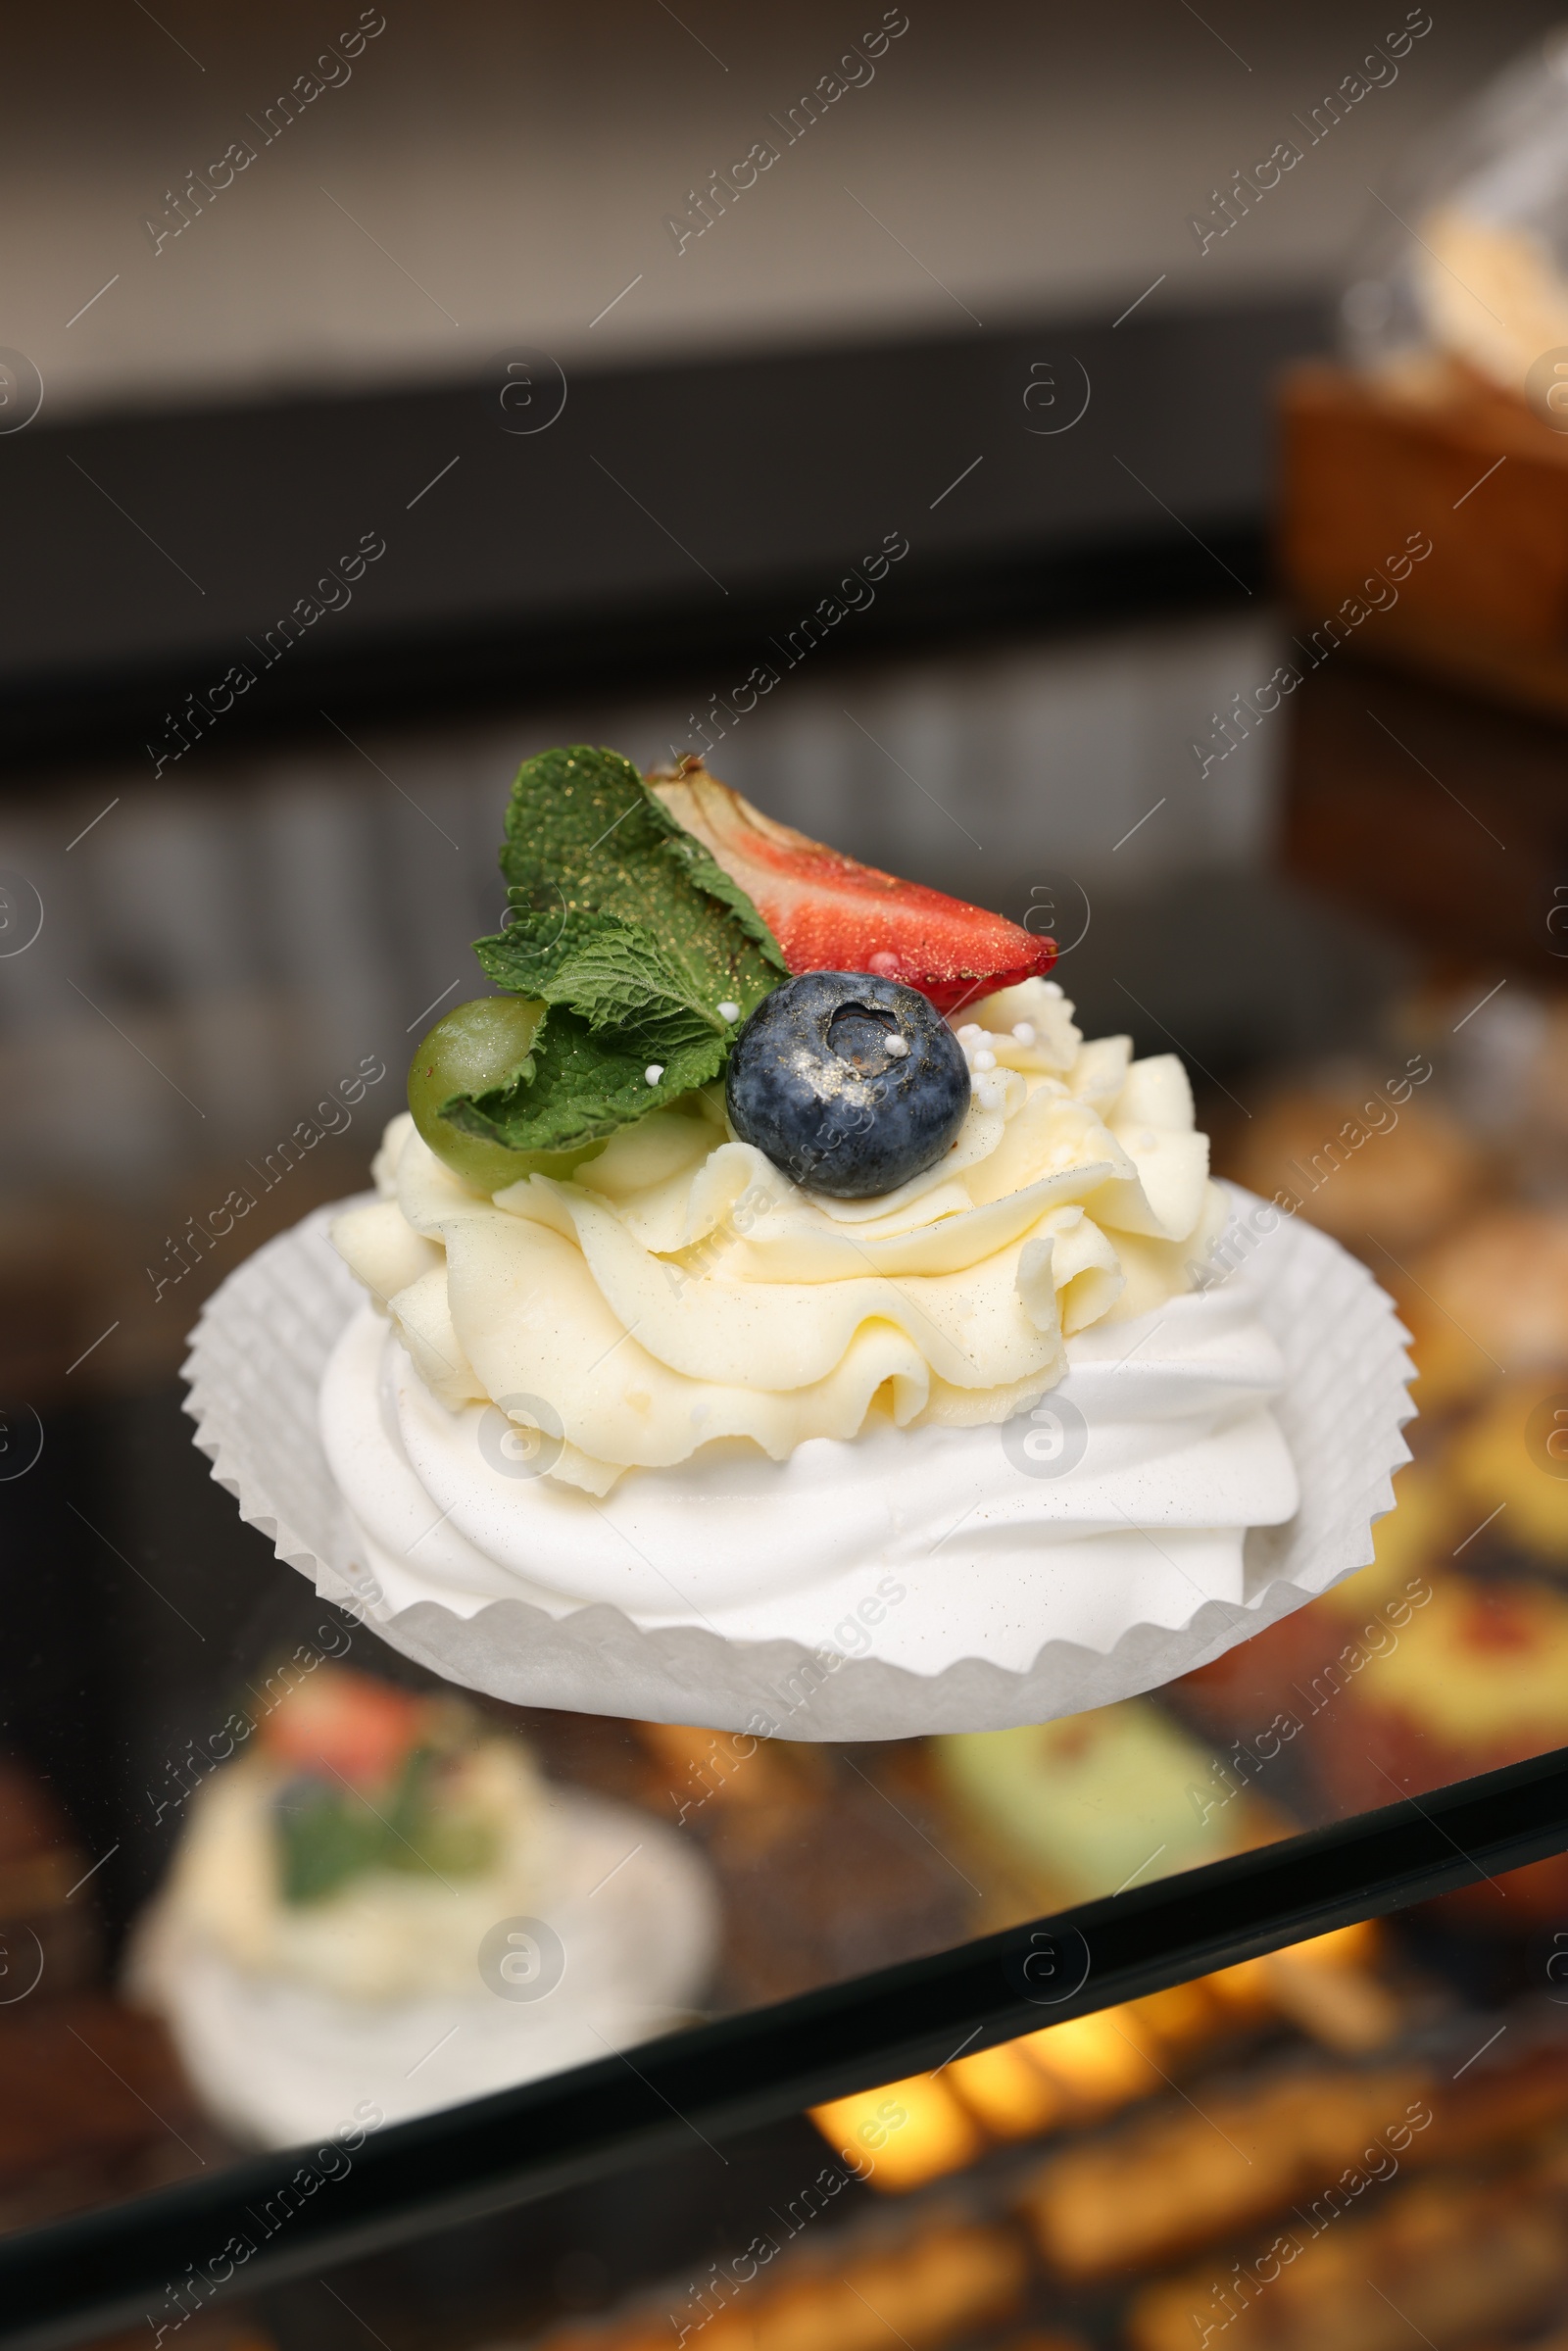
{"x":1428,"y":766}
{"x":1369,"y":466}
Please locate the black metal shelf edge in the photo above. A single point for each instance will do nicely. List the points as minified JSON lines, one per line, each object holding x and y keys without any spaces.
{"x":497,"y":658}
{"x":116,"y":2266}
{"x":508,"y":560}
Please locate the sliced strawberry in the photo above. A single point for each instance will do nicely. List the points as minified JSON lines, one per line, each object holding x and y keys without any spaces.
{"x":831,"y":913}
{"x":344,"y":1725}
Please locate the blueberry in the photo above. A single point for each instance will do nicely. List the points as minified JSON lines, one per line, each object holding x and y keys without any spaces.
{"x":849,"y":1083}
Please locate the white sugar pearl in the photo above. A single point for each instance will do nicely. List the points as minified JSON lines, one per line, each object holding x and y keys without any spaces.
{"x":896,"y":1047}
{"x":653,"y":1072}
{"x":729,"y":1011}
{"x":985,"y":1060}
{"x":1024,"y":1031}
{"x":970,"y":1031}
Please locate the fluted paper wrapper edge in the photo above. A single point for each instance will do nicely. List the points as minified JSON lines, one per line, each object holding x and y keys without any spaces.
{"x":255,"y":1369}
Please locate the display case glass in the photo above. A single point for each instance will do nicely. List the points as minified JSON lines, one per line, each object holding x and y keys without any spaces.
{"x":311,"y":1959}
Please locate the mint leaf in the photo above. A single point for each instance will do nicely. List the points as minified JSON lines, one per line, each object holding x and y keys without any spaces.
{"x":615,"y":974}
{"x":582,"y":1086}
{"x":329,"y":1835}
{"x":584,"y":833}
{"x":631,"y":935}
{"x":323,"y":1840}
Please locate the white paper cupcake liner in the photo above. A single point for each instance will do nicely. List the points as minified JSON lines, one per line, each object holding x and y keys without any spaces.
{"x":254,"y":1371}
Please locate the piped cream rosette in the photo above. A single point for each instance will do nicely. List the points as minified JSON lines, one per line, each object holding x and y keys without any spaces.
{"x":679,"y":1288}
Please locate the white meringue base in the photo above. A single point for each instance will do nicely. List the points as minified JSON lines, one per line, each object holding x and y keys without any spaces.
{"x":906,"y":1582}
{"x":1183,"y":1456}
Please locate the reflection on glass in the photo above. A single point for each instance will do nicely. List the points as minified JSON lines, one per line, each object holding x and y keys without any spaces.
{"x":347,"y":1890}
{"x":381,"y":1907}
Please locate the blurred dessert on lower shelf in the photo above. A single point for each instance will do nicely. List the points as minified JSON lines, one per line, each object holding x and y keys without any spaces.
{"x":955,"y":2282}
{"x":384,"y":1908}
{"x":1418,"y":1672}
{"x":1438,"y":2261}
{"x":1177,"y":2177}
{"x":1180,"y":2175}
{"x":1479,"y":1679}
{"x":1056,"y":1813}
{"x":1074,"y":2074}
{"x":1301,"y":2201}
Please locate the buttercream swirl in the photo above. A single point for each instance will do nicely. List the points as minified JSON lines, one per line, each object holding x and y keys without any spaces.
{"x":679,"y":1289}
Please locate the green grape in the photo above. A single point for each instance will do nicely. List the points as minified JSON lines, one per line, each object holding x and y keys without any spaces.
{"x":477,"y":1046}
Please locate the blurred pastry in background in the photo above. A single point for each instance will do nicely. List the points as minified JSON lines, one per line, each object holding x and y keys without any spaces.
{"x":957,"y":2280}
{"x":1489,"y":268}
{"x":1444,"y":2261}
{"x":1457,"y":326}
{"x":1506,"y":1068}
{"x":951,"y":2281}
{"x":1059,"y":1812}
{"x":1358,"y":1162}
{"x":383,"y":1907}
{"x":1347,"y":2175}
{"x":1512,"y":1457}
{"x":903,"y":2135}
{"x":1299,"y":2150}
{"x":1492,"y":290}
{"x":1488,"y":1298}
{"x":1477,"y":1679}
{"x":1176,"y":2176}
{"x":1415,"y":1673}
{"x":820,"y":1875}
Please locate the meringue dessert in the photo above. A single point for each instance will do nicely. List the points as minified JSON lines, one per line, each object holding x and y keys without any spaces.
{"x":381,"y":1907}
{"x":774,"y":1255}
